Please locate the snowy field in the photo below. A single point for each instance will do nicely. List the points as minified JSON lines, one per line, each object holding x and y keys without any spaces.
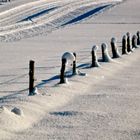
{"x":103,"y":105}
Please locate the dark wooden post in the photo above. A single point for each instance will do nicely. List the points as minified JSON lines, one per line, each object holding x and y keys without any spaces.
{"x":124,"y":45}
{"x":134,"y":42}
{"x":113,"y":47}
{"x":115,"y":52}
{"x":138,"y":38}
{"x":94,"y":57}
{"x":129,"y":47}
{"x":31,"y":77}
{"x":105,"y":54}
{"x":74,"y":64}
{"x":62,"y":74}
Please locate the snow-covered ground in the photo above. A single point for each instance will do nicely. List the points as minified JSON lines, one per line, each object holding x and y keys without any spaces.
{"x":103,"y":105}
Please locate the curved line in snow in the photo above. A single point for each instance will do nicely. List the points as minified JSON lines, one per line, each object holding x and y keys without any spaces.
{"x":87,"y":14}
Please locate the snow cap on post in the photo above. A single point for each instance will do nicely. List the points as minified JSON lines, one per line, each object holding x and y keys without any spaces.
{"x":95,"y":48}
{"x":68,"y":56}
{"x":105,"y":54}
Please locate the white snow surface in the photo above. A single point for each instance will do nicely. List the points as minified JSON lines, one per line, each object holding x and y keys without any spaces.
{"x":68,"y":56}
{"x":103,"y":105}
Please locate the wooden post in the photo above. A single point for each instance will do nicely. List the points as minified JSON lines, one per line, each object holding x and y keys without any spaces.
{"x":105,"y":54}
{"x":66,"y":56}
{"x":62,"y":74}
{"x":31,"y":77}
{"x":94,"y":57}
{"x":124,"y":45}
{"x":115,"y":52}
{"x":134,"y":42}
{"x":74,"y":65}
{"x":138,"y":38}
{"x":129,"y":47}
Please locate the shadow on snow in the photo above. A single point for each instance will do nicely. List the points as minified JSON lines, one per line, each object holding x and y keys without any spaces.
{"x":38,"y":14}
{"x":68,"y":74}
{"x":64,"y":113}
{"x":86,"y":15}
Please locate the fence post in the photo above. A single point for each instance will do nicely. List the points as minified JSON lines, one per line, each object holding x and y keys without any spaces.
{"x":31,"y":77}
{"x":134,"y":42}
{"x":94,"y":56}
{"x":138,"y":38}
{"x":124,"y":45}
{"x":129,"y":47}
{"x":74,"y":65}
{"x":114,"y":48}
{"x":62,"y":74}
{"x":66,"y":56}
{"x":105,"y":54}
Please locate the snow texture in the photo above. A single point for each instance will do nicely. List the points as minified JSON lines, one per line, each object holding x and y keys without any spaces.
{"x":103,"y":105}
{"x":68,"y":56}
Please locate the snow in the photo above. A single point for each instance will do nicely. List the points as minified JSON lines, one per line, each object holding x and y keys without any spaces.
{"x":102,"y":105}
{"x":95,"y":48}
{"x":68,"y":56}
{"x":69,"y":13}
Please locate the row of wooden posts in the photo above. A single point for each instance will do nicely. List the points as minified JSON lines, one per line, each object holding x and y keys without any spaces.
{"x":5,"y":0}
{"x":128,"y":46}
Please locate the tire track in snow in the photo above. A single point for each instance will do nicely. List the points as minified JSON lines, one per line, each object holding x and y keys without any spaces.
{"x":14,"y":15}
{"x":42,"y":17}
{"x":49,"y":22}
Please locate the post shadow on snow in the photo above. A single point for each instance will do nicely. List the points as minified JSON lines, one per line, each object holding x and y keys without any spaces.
{"x":65,"y":113}
{"x":88,"y":64}
{"x":12,"y":96}
{"x":84,"y":66}
{"x":38,"y":14}
{"x":68,"y":74}
{"x":87,"y":14}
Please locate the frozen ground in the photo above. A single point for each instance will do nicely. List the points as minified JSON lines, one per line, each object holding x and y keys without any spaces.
{"x":104,"y":105}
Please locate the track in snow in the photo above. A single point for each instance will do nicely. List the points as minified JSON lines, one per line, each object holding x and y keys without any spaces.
{"x":57,"y":14}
